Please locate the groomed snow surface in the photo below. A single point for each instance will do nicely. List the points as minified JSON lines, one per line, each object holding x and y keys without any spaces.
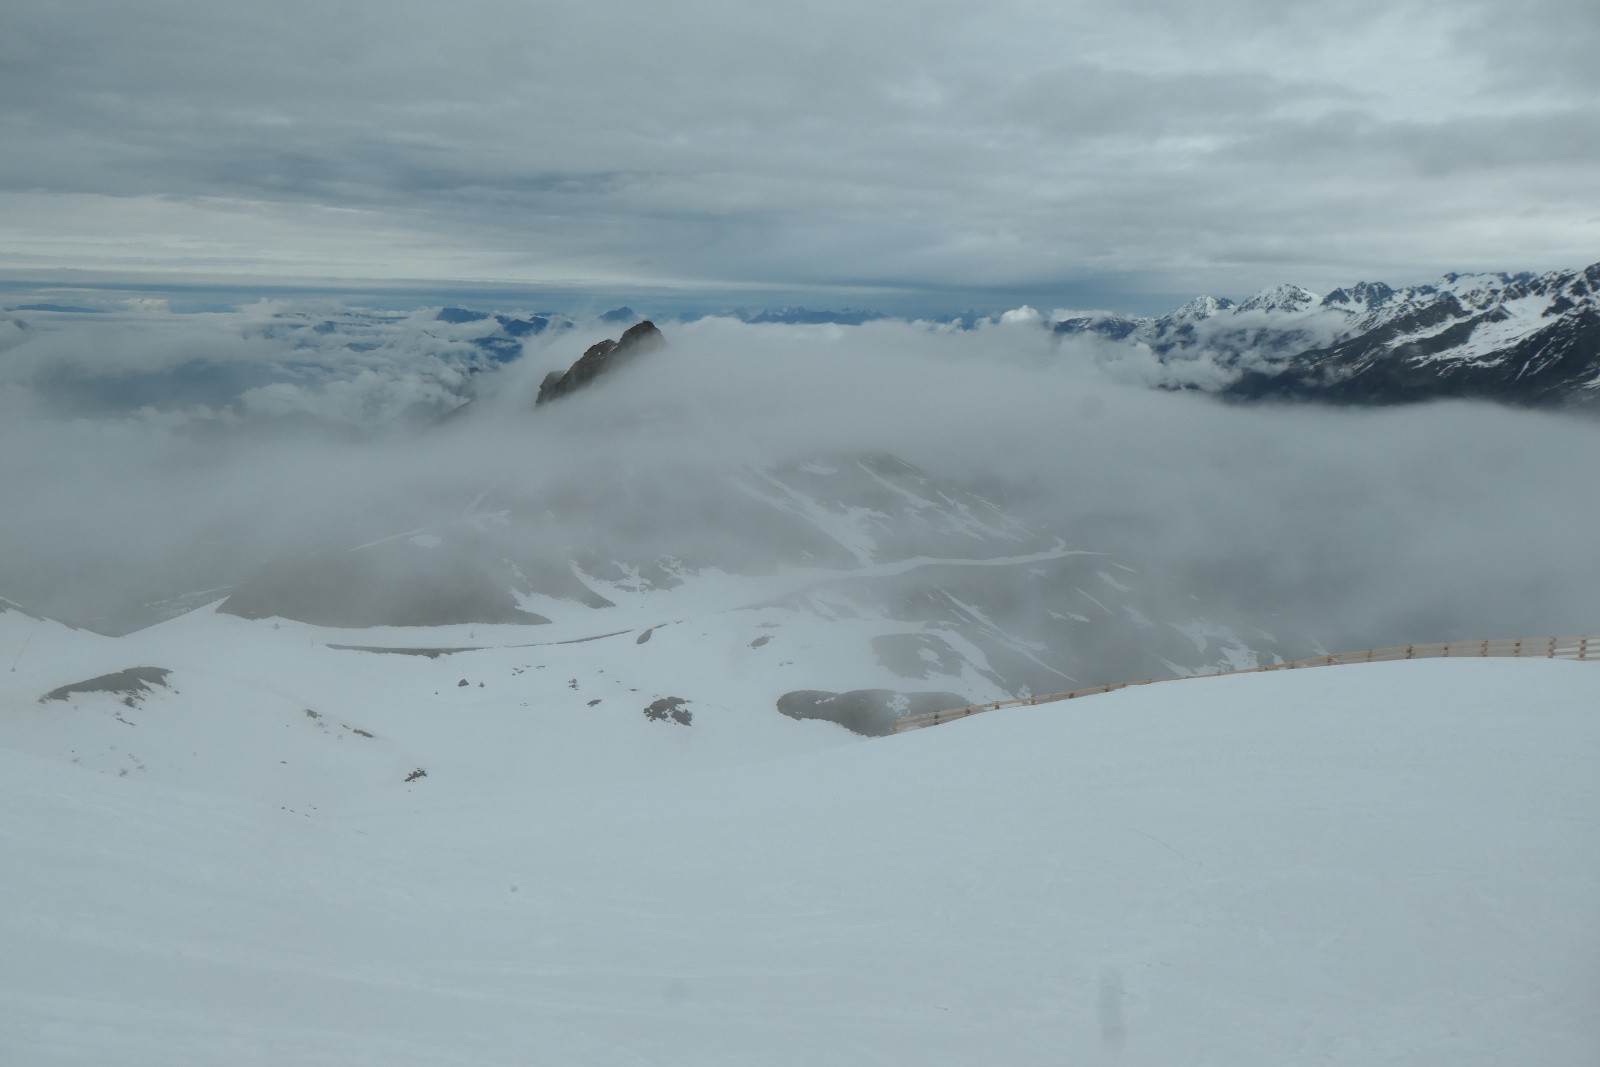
{"x":1385,"y":864}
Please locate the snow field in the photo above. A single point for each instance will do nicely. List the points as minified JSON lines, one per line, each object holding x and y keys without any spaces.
{"x":1388,"y":863}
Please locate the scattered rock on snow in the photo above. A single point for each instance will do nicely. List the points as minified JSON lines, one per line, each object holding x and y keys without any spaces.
{"x":669,"y":708}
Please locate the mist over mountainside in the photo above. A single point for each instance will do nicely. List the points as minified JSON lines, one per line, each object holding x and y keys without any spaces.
{"x":1516,"y":338}
{"x":983,"y":512}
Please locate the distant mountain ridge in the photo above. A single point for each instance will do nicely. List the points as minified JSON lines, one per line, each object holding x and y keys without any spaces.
{"x":1529,"y":339}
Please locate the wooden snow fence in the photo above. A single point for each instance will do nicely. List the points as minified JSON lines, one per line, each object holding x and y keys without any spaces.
{"x":1586,"y":648}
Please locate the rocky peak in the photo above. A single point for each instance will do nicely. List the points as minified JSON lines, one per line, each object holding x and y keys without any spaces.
{"x":602,"y":358}
{"x":1360,"y":295}
{"x":1201,"y":307}
{"x":1280,"y":298}
{"x":12,"y":331}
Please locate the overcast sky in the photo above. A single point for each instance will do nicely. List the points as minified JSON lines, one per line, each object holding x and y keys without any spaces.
{"x":1111,"y":155}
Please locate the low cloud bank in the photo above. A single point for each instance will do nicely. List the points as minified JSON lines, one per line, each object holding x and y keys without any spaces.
{"x":147,"y":456}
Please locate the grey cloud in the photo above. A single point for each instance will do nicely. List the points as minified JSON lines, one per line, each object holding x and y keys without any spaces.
{"x":709,"y":144}
{"x":1543,"y":46}
{"x":1359,"y":527}
{"x":344,"y":373}
{"x":1084,"y":100}
{"x":1355,"y":140}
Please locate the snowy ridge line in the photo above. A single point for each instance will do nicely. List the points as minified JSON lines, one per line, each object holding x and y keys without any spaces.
{"x":1583,"y":647}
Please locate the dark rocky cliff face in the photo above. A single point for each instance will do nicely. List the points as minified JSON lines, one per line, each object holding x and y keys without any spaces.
{"x":602,"y":358}
{"x":1553,"y":367}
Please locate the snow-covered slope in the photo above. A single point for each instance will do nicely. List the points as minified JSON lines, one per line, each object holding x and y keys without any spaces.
{"x":1388,"y":863}
{"x":940,"y":586}
{"x":1521,"y":338}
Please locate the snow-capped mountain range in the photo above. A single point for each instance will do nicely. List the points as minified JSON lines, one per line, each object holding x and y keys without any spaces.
{"x":1518,"y":338}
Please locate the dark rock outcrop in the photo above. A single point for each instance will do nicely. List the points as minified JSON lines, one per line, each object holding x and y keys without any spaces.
{"x":664,"y":709}
{"x":602,"y":358}
{"x":869,"y":712}
{"x":131,"y":685}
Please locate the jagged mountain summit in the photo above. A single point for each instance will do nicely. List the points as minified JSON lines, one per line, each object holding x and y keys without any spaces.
{"x":604,"y":357}
{"x":1530,"y":339}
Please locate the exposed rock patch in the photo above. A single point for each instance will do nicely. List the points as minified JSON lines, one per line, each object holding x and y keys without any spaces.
{"x":669,"y":708}
{"x":132,"y":685}
{"x":868,"y":712}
